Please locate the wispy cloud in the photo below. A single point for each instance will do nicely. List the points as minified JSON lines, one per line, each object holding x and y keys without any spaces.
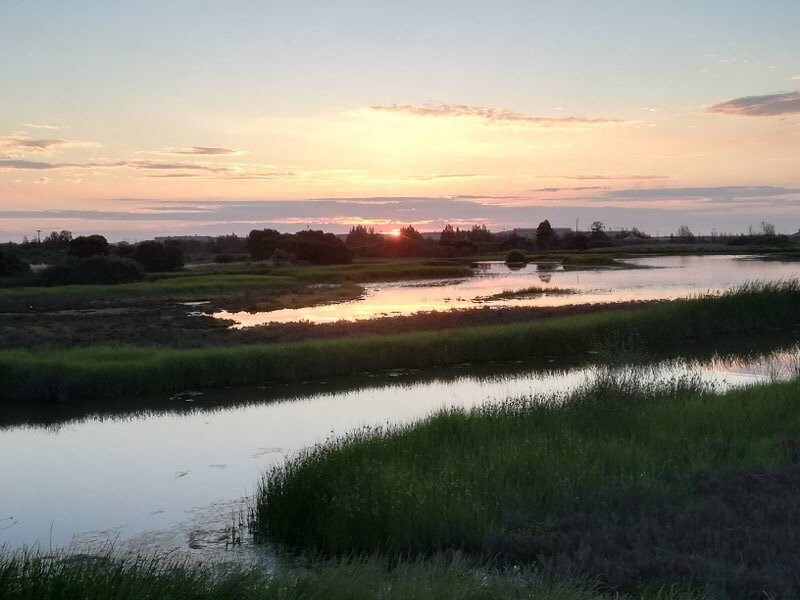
{"x":606,"y":177}
{"x":796,"y":77}
{"x":725,"y":193}
{"x":198,"y":151}
{"x":181,"y":169}
{"x":18,"y":145}
{"x":580,"y":188}
{"x":489,"y":114}
{"x":40,"y":126}
{"x":770,"y":105}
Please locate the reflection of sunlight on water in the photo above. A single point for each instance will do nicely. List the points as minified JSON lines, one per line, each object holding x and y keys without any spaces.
{"x":676,"y":277}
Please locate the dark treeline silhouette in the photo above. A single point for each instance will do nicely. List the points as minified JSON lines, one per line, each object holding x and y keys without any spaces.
{"x":90,"y":259}
{"x":311,"y":246}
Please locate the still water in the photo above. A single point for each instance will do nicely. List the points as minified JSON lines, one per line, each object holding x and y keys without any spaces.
{"x":668,"y":277}
{"x":176,"y":476}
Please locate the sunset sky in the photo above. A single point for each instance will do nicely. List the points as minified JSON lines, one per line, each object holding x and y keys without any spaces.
{"x":146,"y":118}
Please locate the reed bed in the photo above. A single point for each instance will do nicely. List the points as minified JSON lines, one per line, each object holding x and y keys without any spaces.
{"x":113,"y":372}
{"x":451,"y":480}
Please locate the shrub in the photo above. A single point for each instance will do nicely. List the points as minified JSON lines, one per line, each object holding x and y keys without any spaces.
{"x":12,"y":266}
{"x":85,"y":246}
{"x":93,"y":270}
{"x":516,"y":257}
{"x":156,"y":257}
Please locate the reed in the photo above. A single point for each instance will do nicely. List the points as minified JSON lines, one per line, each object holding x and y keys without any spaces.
{"x":112,"y":372}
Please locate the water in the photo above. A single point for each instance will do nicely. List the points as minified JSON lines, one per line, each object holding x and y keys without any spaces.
{"x":175,"y":477}
{"x":668,"y":277}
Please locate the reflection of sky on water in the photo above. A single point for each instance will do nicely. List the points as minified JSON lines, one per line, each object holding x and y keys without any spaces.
{"x":675,"y":277}
{"x":183,"y":475}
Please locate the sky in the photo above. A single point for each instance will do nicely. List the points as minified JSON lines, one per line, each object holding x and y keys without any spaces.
{"x":144,"y":118}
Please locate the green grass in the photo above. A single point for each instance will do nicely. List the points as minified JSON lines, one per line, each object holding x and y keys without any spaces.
{"x":451,"y":480}
{"x":186,"y":284}
{"x":530,"y":291}
{"x":214,"y":281}
{"x":112,"y":372}
{"x":31,"y":576}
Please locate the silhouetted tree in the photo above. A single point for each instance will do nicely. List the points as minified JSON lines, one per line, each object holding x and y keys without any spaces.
{"x":85,"y":246}
{"x":261,"y":243}
{"x":544,"y":235}
{"x":11,"y":265}
{"x":156,"y":257}
{"x":448,"y":236}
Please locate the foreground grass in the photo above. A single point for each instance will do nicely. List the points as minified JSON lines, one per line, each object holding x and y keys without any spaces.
{"x":27,"y":576}
{"x":113,"y":372}
{"x":451,"y":480}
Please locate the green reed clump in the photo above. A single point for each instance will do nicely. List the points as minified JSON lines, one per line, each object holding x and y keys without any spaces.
{"x":450,"y":481}
{"x":104,"y":372}
{"x":35,"y":576}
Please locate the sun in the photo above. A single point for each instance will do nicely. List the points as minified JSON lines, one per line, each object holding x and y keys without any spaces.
{"x":393,"y":232}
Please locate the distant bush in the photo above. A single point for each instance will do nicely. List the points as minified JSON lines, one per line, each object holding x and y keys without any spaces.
{"x":156,"y":257}
{"x":515,"y":257}
{"x":230,"y":258}
{"x":12,"y":266}
{"x":93,"y":270}
{"x":85,"y":246}
{"x":317,"y":248}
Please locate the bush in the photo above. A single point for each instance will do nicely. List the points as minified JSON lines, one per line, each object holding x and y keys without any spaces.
{"x":156,"y":257}
{"x":12,"y":266}
{"x":85,"y":246}
{"x":93,"y":270}
{"x":516,"y":257}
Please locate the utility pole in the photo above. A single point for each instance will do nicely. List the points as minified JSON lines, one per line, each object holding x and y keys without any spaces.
{"x":38,"y":236}
{"x":576,"y":226}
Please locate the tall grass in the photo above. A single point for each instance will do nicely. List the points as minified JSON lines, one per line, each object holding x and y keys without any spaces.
{"x":450,"y":481}
{"x":31,"y":576}
{"x":106,"y":372}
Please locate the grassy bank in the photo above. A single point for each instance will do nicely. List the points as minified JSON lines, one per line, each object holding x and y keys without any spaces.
{"x":39,"y":577}
{"x":104,"y":372}
{"x":622,"y":482}
{"x":227,"y":282}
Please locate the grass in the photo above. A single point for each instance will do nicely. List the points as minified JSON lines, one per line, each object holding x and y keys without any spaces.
{"x":227,"y":282}
{"x":530,"y":291}
{"x":451,"y":480}
{"x":312,"y":296}
{"x":113,"y":372}
{"x":32,"y":576}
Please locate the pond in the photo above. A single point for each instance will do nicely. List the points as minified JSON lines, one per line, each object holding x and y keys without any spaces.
{"x":175,"y":474}
{"x":653,"y":278}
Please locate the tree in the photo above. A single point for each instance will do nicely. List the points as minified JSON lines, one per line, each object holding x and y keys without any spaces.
{"x":316,"y":247}
{"x":58,"y":239}
{"x":361,"y":236}
{"x":597,"y":226}
{"x":767,"y":229}
{"x":479,"y":233}
{"x":262,"y":243}
{"x":12,"y":266}
{"x":156,"y":257}
{"x":409,"y":233}
{"x":448,"y":235}
{"x":544,"y":235}
{"x":685,"y":234}
{"x":93,"y":270}
{"x":85,"y":246}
